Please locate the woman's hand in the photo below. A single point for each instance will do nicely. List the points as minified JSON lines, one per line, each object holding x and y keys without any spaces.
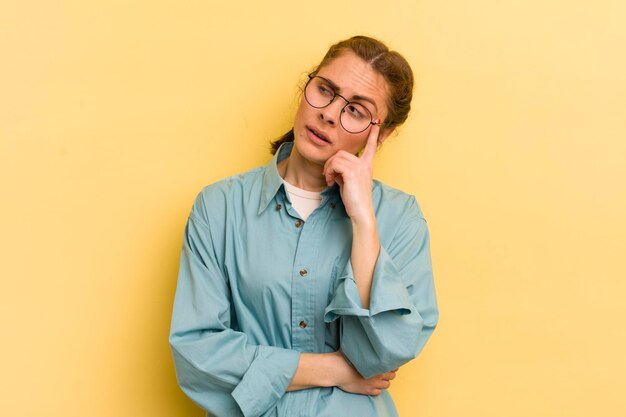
{"x":349,"y":380}
{"x":333,"y":370}
{"x":354,"y":176}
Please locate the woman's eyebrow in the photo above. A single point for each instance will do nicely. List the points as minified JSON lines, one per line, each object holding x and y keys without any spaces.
{"x":354,"y":97}
{"x":363,"y":98}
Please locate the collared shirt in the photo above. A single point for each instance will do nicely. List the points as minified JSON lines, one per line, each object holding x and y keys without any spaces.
{"x":258,"y":285}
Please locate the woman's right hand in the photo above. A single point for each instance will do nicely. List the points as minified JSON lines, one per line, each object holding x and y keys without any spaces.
{"x":349,"y":380}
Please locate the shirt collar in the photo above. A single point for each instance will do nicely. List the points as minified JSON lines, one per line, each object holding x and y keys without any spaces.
{"x":272,"y":181}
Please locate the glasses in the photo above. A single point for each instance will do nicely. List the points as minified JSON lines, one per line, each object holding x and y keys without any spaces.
{"x":354,"y":118}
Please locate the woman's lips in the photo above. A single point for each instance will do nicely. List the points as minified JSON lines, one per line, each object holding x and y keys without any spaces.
{"x":317,"y":135}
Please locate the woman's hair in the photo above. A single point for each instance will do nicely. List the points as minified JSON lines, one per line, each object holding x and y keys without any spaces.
{"x":390,"y":64}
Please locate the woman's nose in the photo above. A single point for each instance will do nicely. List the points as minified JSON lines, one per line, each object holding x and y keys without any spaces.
{"x":331,"y":113}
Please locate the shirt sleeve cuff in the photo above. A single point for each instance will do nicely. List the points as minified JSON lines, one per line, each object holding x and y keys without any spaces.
{"x":266,"y":380}
{"x":388,"y":292}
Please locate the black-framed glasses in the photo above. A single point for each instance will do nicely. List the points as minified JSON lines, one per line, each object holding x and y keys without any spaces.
{"x":354,"y":118}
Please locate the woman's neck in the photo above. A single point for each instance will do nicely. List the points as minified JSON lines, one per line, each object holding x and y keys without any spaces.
{"x":302,"y":173}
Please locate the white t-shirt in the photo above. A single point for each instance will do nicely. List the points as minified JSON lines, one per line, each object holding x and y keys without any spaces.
{"x":302,"y":200}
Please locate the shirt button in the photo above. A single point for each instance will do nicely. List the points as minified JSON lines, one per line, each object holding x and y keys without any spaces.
{"x":303,"y":324}
{"x":332,"y":205}
{"x":303,"y":272}
{"x":298,"y":223}
{"x":278,"y":207}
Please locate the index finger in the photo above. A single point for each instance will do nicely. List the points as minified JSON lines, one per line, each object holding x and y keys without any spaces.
{"x":372,"y":141}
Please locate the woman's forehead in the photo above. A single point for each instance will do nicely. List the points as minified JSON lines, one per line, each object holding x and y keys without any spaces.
{"x":355,"y":77}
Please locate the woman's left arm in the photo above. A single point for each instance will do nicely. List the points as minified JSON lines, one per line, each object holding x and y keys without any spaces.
{"x":385,"y":296}
{"x":354,"y":176}
{"x":402,"y":313}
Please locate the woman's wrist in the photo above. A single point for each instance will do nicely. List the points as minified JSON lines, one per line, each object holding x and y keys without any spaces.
{"x":365,"y":220}
{"x":317,"y":370}
{"x":338,"y":367}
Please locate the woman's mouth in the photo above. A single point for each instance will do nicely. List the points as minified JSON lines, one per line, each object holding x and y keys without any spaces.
{"x":317,"y":134}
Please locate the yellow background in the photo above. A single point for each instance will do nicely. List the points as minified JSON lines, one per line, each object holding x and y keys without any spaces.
{"x":114,"y":114}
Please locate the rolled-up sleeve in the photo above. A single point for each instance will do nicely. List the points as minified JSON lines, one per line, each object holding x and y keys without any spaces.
{"x":215,"y":365}
{"x":403,"y":309}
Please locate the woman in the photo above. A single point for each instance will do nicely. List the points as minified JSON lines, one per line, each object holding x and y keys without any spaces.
{"x":304,"y":284}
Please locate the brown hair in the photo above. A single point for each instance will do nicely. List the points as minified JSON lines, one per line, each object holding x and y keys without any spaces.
{"x":390,"y":64}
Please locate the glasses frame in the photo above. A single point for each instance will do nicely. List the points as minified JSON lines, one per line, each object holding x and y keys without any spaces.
{"x":372,"y":122}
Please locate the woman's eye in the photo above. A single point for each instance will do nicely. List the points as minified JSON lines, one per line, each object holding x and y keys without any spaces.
{"x":355,"y":112}
{"x":325,"y":90}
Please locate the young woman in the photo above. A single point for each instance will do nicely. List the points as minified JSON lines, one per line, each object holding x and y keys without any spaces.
{"x":304,"y":284}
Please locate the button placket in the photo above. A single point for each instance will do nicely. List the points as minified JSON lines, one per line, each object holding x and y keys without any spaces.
{"x":304,"y":285}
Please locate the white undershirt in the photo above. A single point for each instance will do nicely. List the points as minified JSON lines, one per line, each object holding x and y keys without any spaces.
{"x":302,"y":200}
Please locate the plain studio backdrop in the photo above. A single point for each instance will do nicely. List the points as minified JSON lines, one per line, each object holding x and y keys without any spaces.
{"x":114,"y":114}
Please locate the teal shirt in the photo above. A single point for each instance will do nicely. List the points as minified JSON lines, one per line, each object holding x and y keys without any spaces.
{"x":258,"y":285}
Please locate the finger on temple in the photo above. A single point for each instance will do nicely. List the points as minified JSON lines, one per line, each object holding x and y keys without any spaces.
{"x":372,"y":142}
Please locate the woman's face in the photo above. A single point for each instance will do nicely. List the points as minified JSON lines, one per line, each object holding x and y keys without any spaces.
{"x":356,"y":81}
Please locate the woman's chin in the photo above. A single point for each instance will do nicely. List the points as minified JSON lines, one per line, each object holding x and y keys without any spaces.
{"x":311,"y":153}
